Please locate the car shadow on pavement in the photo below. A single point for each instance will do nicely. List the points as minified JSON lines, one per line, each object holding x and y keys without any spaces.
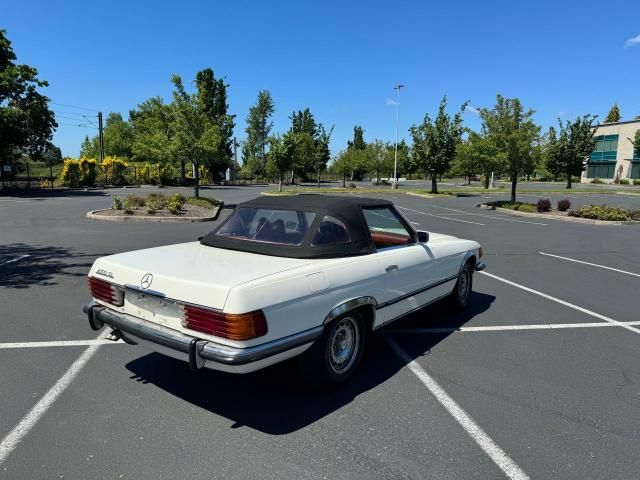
{"x":23,"y":265}
{"x":276,"y":400}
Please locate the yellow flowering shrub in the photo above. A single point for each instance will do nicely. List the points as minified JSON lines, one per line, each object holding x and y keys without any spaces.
{"x":114,"y":169}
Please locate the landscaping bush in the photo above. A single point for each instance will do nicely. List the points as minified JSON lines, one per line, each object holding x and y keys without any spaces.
{"x":174,"y":205}
{"x":114,"y":169}
{"x":635,"y":215}
{"x":156,"y":201}
{"x":178,"y":198}
{"x":116,"y":203}
{"x":596,"y":180}
{"x":351,"y":185}
{"x":602,"y":212}
{"x":543,"y":205}
{"x":203,"y":202}
{"x":636,"y":182}
{"x":133,"y":202}
{"x":564,"y":205}
{"x":71,"y":174}
{"x":151,"y":210}
{"x":526,"y":207}
{"x":623,"y":181}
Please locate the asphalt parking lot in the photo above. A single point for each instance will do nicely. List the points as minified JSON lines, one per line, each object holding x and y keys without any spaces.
{"x":539,"y":378}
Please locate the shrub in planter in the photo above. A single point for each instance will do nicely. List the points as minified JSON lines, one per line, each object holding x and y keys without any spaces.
{"x":178,"y":198}
{"x":150,"y":210}
{"x":634,"y":215}
{"x":623,"y":181}
{"x":133,"y":202}
{"x":116,"y":203}
{"x":157,"y":201}
{"x":602,"y":212}
{"x":174,"y":205}
{"x":596,"y":180}
{"x":204,"y":202}
{"x":564,"y":205}
{"x":351,"y":185}
{"x":636,"y":182}
{"x":543,"y":205}
{"x":526,"y":207}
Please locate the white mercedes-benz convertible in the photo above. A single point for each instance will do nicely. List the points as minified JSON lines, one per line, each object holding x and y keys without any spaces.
{"x":310,"y":276}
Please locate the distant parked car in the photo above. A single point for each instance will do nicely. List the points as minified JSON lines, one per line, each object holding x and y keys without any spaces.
{"x":309,"y":276}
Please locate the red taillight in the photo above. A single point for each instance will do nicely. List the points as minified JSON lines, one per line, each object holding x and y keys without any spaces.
{"x":243,"y":326}
{"x":107,"y":292}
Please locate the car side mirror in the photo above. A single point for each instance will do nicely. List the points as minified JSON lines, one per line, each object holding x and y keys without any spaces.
{"x":423,"y":237}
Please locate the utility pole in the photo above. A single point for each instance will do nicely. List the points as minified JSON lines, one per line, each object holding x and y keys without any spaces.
{"x":101,"y":134}
{"x":235,"y":159}
{"x":395,"y":153}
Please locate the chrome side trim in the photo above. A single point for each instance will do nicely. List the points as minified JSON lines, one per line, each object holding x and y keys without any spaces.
{"x":390,"y":321}
{"x":216,"y":352}
{"x":348,"y":306}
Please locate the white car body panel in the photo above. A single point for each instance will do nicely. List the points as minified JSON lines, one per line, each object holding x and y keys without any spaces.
{"x":295,"y":294}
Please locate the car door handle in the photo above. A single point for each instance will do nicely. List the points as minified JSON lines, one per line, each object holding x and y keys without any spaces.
{"x":391,"y":268}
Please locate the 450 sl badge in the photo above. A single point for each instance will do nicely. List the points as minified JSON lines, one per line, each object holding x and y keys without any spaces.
{"x":104,"y":273}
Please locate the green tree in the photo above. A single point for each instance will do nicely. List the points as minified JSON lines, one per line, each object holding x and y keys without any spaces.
{"x":576,"y":141}
{"x":89,"y":148}
{"x":478,"y":155}
{"x":358,"y":145}
{"x":281,"y":153}
{"x":636,"y":142}
{"x":322,"y":150}
{"x":153,"y":135}
{"x":195,"y":137}
{"x":258,"y":130}
{"x":118,"y":136}
{"x":358,"y":138}
{"x":513,"y":133}
{"x":26,"y":123}
{"x":434,"y":142}
{"x":211,"y":99}
{"x":379,"y":157}
{"x":553,"y":154}
{"x":406,"y":163}
{"x":613,"y":115}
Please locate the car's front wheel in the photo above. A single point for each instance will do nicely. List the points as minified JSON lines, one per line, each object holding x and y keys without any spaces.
{"x":334,"y":357}
{"x":462,"y":291}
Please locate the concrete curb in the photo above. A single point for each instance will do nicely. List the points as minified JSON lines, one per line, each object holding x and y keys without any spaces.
{"x":423,"y":195}
{"x":557,"y":217}
{"x":95,"y":215}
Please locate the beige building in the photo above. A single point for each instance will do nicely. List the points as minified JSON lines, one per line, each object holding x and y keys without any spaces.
{"x":614,"y":157}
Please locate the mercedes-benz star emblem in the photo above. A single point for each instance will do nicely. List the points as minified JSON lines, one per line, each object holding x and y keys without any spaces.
{"x":146,"y":281}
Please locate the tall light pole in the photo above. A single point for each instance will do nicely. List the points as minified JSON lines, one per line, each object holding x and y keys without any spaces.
{"x":395,"y":153}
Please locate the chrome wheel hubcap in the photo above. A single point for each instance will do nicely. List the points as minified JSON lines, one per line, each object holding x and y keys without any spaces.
{"x":344,"y":345}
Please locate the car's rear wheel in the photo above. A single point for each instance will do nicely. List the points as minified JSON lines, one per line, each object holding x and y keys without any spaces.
{"x":462,"y":291}
{"x":335,"y":356}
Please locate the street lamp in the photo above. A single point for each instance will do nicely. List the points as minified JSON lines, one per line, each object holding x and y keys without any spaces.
{"x":395,"y":154}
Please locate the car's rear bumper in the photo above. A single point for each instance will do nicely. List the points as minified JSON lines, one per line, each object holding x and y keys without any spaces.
{"x":198,"y":352}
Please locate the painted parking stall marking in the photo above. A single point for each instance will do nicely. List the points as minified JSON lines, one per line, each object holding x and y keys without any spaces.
{"x":60,"y":343}
{"x":590,"y":264}
{"x":562,"y":302}
{"x":26,"y":424}
{"x":492,"y":216}
{"x":506,"y":328}
{"x":484,"y":441}
{"x":438,"y":216}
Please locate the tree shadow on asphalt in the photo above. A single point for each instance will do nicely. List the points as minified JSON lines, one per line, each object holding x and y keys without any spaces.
{"x":23,"y":266}
{"x":276,"y":400}
{"x":45,"y":194}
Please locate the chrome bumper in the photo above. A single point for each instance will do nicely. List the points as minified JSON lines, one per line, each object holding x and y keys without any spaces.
{"x":197,"y":351}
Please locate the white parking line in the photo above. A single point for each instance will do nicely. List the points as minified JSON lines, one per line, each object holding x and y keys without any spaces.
{"x":502,"y":328}
{"x":438,"y":216}
{"x":492,"y":216}
{"x":60,"y":343}
{"x":591,"y":264}
{"x":562,"y":302}
{"x":13,"y":260}
{"x":22,"y":429}
{"x":493,"y":451}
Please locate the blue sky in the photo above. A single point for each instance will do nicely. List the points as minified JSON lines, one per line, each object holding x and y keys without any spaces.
{"x":341,"y":59}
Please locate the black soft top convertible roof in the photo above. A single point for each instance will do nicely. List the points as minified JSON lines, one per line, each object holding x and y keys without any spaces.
{"x":346,"y":209}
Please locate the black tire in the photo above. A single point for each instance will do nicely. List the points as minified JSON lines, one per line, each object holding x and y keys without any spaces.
{"x":462,"y":291}
{"x":335,"y":356}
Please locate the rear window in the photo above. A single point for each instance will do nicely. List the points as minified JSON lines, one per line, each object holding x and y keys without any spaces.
{"x":287,"y":227}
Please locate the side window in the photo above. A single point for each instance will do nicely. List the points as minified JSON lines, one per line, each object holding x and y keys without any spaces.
{"x":386,"y":228}
{"x":331,"y":231}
